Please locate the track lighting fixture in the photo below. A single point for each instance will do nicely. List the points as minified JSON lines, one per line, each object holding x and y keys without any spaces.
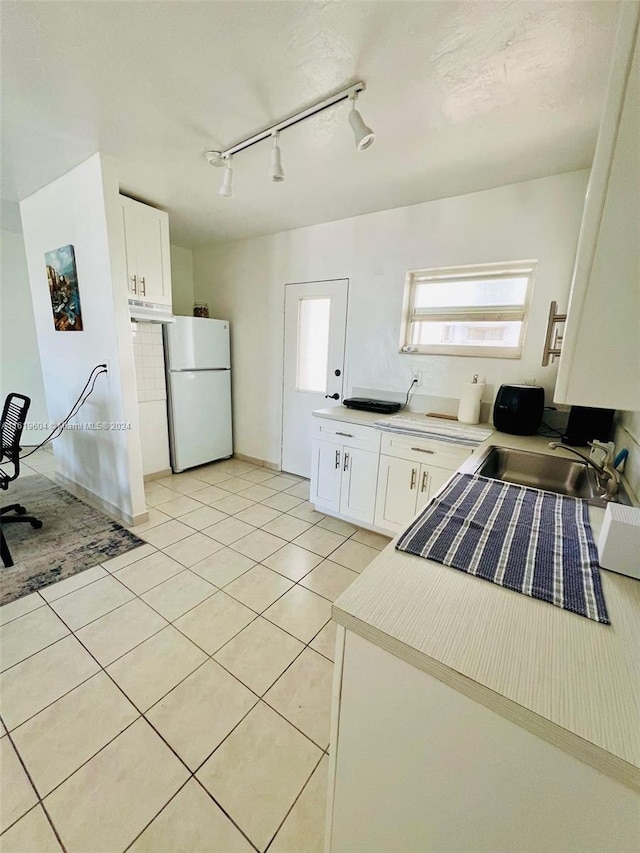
{"x":226,"y":188}
{"x":276,"y":171}
{"x":363,"y":134}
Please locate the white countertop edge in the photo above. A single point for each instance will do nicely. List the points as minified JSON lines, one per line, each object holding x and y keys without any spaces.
{"x":600,"y":759}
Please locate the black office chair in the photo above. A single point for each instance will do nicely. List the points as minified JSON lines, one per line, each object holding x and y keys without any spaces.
{"x":14,"y":413}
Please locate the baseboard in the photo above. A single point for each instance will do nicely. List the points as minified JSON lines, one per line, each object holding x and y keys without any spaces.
{"x":100,"y":503}
{"x":157,"y":474}
{"x":272,"y":466}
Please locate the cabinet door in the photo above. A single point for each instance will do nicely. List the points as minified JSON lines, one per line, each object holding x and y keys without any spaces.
{"x":358,"y":487}
{"x":398,"y":484}
{"x":326,"y":475}
{"x":127,"y":214}
{"x":152,"y":253}
{"x":431,"y":480}
{"x":600,"y":361}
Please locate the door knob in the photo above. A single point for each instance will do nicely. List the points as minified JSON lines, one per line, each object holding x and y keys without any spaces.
{"x":332,"y":396}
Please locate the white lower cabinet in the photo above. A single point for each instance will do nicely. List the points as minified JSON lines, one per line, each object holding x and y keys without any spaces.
{"x":418,"y":767}
{"x":326,"y":475}
{"x":358,"y":486}
{"x":397,"y":492}
{"x":381,"y":480}
{"x":343,"y":480}
{"x":404,"y":487}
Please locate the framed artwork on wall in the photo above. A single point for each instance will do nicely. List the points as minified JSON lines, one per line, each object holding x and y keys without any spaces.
{"x":63,"y":289}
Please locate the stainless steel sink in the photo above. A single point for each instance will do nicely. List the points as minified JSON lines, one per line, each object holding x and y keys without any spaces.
{"x":541,"y":471}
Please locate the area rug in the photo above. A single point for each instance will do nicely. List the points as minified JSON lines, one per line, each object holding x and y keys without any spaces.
{"x":74,"y":536}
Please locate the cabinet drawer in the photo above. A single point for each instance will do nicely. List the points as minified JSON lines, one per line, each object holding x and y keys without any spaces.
{"x":424,"y":450}
{"x":346,"y":434}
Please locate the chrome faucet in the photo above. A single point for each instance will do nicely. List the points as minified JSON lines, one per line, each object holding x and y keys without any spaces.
{"x":608,"y":477}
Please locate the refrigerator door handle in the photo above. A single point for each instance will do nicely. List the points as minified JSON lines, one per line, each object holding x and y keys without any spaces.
{"x":199,"y":370}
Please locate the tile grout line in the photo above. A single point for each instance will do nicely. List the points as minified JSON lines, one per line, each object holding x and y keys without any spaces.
{"x":281,"y":824}
{"x":184,"y":568}
{"x":210,"y":656}
{"x":259,"y":697}
{"x":141,"y":715}
{"x":305,"y":645}
{"x":77,"y":574}
{"x":166,"y":805}
{"x":38,"y":797}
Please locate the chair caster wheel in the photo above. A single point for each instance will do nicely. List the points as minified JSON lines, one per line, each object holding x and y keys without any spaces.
{"x":20,"y":510}
{"x":36,"y":524}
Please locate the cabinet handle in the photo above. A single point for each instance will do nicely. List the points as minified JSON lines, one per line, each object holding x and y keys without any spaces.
{"x":423,"y":484}
{"x":423,"y":450}
{"x":413,"y":478}
{"x":337,"y":458}
{"x":346,"y":434}
{"x":144,"y":286}
{"x":553,"y":340}
{"x":134,"y":279}
{"x":345,"y":467}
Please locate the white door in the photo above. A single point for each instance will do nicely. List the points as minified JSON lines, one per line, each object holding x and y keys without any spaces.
{"x":314,"y":334}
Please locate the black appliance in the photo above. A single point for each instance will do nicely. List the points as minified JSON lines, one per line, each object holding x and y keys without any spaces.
{"x":586,"y":424}
{"x":382,"y":407}
{"x":518,"y":409}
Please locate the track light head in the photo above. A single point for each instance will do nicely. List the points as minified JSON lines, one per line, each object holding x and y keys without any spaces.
{"x":276,"y":171}
{"x":226,"y":189}
{"x":363,"y":134}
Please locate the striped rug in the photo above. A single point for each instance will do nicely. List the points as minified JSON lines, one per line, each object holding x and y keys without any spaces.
{"x":535,"y":542}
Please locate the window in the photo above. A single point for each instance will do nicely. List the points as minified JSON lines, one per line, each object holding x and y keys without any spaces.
{"x":479,"y":311}
{"x":314,"y":317}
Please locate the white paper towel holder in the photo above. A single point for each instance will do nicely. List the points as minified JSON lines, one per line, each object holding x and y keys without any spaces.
{"x":469,"y":406}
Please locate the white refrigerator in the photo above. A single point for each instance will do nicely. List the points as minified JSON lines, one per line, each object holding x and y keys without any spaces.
{"x":198,"y":364}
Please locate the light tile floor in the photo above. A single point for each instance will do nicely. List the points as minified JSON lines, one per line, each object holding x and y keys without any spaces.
{"x":177,"y":698}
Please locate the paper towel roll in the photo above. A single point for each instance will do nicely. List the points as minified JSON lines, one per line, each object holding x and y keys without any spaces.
{"x":469,"y":408}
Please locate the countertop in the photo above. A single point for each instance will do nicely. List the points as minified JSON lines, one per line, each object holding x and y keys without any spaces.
{"x":571,"y":681}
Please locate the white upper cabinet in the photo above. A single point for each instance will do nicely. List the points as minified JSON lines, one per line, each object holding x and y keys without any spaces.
{"x":146,"y":237}
{"x":600,"y":361}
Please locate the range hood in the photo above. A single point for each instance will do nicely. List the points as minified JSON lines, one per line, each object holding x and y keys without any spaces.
{"x":150,"y":312}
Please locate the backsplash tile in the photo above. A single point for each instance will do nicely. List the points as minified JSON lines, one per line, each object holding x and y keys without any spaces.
{"x":148,"y":353}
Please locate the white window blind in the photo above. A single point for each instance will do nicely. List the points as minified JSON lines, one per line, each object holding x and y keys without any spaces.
{"x":468,"y":310}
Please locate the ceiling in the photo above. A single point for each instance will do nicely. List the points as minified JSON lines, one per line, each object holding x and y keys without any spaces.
{"x":462,"y":95}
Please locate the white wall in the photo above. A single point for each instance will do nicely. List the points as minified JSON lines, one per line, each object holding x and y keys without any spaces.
{"x":244,"y":282}
{"x":19,"y":354}
{"x":182,"y":280}
{"x":81,"y":208}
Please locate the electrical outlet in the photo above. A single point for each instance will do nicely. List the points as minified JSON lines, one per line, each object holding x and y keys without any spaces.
{"x":416,"y":377}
